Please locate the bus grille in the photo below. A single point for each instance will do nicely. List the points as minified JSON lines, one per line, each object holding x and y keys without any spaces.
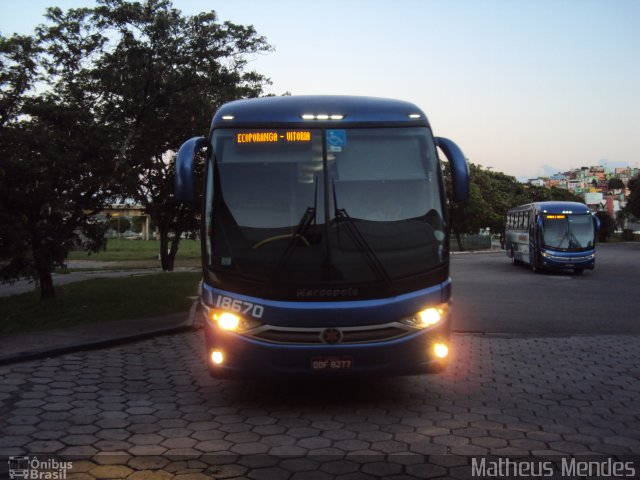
{"x":315,"y":336}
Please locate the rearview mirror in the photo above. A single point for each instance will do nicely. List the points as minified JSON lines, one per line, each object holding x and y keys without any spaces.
{"x":184,"y":168}
{"x":459,"y":169}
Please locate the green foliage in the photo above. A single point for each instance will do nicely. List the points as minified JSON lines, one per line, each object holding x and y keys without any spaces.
{"x":607,"y":225}
{"x":633,"y":203}
{"x":56,"y":161}
{"x":100,"y":300}
{"x":124,"y":250}
{"x":165,"y":75}
{"x":615,"y":184}
{"x":491,"y":195}
{"x":119,"y":87}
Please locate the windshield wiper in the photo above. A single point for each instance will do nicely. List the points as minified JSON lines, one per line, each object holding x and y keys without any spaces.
{"x":373,"y":261}
{"x":308,"y":218}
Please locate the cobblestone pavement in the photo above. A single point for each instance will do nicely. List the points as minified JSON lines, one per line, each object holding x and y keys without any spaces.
{"x":149,"y":410}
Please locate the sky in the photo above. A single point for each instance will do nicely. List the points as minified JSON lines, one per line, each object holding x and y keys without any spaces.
{"x":525,"y":87}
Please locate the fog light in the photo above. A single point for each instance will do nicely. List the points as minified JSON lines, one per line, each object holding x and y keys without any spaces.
{"x":217,"y":357}
{"x":441,"y":350}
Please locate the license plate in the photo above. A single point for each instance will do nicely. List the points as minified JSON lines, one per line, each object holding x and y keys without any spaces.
{"x":331,"y":363}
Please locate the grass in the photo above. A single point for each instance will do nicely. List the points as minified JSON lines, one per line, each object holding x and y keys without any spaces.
{"x":140,"y":253}
{"x":100,"y":300}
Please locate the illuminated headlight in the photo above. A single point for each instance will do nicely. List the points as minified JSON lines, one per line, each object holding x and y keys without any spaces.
{"x":428,"y":317}
{"x":231,"y":322}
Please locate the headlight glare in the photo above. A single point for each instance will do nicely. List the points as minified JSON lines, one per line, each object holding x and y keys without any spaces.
{"x":230,"y":322}
{"x":428,"y":317}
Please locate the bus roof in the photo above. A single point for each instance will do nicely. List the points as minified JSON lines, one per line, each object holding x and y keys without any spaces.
{"x":345,"y":110}
{"x":554,"y":207}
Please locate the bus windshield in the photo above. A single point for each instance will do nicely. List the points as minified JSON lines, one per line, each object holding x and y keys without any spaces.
{"x":568,"y":232}
{"x":283,"y":205}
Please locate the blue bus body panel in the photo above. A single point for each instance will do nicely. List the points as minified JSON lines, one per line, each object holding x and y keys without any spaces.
{"x":562,"y":207}
{"x":289,"y":110}
{"x":349,"y":313}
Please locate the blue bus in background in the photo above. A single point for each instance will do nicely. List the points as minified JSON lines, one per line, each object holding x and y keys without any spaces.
{"x":552,"y":235}
{"x":325,"y":237}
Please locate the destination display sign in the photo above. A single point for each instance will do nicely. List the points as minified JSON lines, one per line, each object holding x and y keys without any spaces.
{"x":289,"y":136}
{"x":555,"y":217}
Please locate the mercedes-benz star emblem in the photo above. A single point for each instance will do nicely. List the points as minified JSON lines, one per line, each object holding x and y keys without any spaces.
{"x":331,"y":335}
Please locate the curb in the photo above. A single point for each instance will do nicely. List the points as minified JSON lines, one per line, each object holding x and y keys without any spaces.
{"x":39,"y":353}
{"x":475,"y":252}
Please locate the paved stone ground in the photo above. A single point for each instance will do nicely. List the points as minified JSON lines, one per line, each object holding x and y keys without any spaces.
{"x":149,"y":410}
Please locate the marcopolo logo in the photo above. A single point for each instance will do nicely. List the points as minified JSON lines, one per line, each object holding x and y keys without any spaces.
{"x":327,"y":292}
{"x":33,"y":468}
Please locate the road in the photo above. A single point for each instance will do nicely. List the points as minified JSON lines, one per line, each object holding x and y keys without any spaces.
{"x":491,"y":295}
{"x":149,"y":410}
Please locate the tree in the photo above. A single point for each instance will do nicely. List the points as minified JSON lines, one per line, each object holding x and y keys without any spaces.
{"x":491,"y":195}
{"x":119,"y":87}
{"x":56,"y":156}
{"x":166,"y":74}
{"x":607,"y":225}
{"x":633,"y":203}
{"x":615,"y":183}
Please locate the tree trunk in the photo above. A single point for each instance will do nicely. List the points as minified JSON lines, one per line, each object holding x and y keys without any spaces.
{"x":46,"y":285}
{"x":168,"y":250}
{"x":165,"y":258}
{"x":458,"y":240}
{"x":175,"y":242}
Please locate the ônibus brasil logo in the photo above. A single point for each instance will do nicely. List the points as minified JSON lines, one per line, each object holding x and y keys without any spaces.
{"x":33,"y":468}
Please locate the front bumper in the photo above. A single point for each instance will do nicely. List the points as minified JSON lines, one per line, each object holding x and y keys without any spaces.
{"x":246,"y":357}
{"x":556,"y":260}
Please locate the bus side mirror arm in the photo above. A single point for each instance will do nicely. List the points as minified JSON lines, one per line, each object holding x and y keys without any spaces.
{"x":459,"y":169}
{"x":184,"y":168}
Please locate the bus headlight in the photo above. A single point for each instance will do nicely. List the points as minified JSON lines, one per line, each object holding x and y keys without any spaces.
{"x":231,"y":322}
{"x":227,"y":321}
{"x":428,"y":317}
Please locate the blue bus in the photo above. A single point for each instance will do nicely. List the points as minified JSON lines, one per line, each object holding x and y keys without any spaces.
{"x":552,"y":235}
{"x":325,"y":237}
